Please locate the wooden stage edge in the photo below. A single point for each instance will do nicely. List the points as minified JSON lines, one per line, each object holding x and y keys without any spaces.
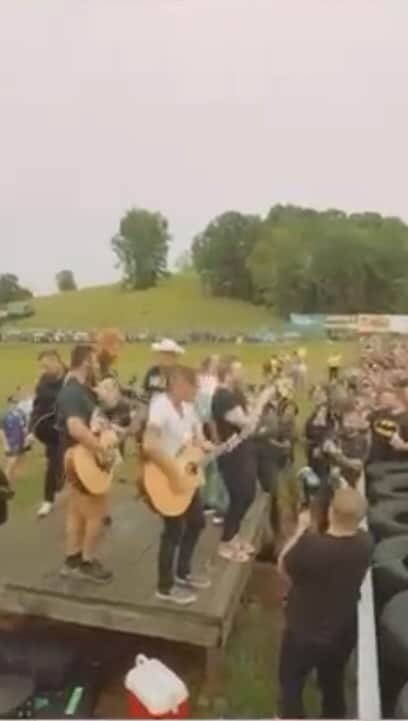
{"x":31,"y":552}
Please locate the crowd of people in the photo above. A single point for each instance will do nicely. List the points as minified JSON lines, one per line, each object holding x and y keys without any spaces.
{"x":357,"y":415}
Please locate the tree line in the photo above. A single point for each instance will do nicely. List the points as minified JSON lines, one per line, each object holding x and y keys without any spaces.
{"x":293,"y":260}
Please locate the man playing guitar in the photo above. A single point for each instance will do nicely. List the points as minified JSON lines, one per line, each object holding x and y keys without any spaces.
{"x":76,"y":405}
{"x":172,"y":424}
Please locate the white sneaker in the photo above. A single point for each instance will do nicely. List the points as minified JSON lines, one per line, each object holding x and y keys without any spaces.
{"x":199,"y":583}
{"x":178,"y":596}
{"x":44,"y":509}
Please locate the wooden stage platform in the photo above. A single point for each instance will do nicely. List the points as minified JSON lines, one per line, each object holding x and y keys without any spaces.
{"x":31,"y":552}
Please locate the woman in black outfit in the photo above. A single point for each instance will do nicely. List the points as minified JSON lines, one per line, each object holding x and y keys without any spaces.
{"x":238,"y":467}
{"x":321,"y":426}
{"x":43,"y":424}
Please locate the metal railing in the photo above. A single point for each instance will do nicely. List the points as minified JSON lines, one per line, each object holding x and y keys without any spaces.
{"x":368,"y":682}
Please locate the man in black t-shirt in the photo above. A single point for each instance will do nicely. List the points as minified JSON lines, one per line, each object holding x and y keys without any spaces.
{"x":399,"y":441}
{"x":384,"y":424}
{"x":325,"y":573}
{"x":85,"y":513}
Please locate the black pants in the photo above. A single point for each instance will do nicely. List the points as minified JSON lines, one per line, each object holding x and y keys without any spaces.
{"x":238,"y":470}
{"x":4,"y":487}
{"x":298,"y":659}
{"x":180,"y":533}
{"x":268,"y":466}
{"x":333,"y":373}
{"x":53,"y":471}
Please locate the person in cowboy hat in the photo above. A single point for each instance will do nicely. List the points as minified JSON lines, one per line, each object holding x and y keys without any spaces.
{"x":155,"y":381}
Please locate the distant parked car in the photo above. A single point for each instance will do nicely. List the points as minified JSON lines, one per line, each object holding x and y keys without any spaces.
{"x":42,"y":336}
{"x":82,"y":336}
{"x":59,"y":337}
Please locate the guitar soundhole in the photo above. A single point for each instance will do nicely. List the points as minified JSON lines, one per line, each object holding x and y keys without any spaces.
{"x":192,"y":468}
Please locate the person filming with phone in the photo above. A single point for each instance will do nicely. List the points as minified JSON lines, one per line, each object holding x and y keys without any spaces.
{"x":325,"y":572}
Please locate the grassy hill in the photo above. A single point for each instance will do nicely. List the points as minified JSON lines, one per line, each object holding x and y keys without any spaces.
{"x":176,"y":304}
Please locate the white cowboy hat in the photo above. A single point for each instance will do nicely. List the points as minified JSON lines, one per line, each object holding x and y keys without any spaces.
{"x":168,"y":346}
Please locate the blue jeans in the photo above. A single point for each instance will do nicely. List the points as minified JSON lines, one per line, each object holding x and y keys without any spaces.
{"x":214,"y":495}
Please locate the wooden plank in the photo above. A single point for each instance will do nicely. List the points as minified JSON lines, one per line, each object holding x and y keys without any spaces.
{"x":229,"y":580}
{"x":241,"y":583}
{"x":36,"y":562}
{"x":31,"y":584}
{"x":170,"y":626}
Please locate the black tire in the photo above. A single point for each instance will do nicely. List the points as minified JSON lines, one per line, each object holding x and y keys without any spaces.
{"x":389,"y":518}
{"x":401,"y":707}
{"x":390,"y":488}
{"x":378,"y":471}
{"x":390,"y":568}
{"x":394,"y":632}
{"x":393,"y":638}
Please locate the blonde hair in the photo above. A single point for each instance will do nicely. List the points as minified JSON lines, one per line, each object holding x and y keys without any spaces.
{"x":109,"y":339}
{"x":348,"y":508}
{"x":108,"y":343}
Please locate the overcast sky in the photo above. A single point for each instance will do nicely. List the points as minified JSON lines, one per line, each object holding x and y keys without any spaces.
{"x":191,"y":107}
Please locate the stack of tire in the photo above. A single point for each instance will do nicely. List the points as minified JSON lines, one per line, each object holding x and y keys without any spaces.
{"x":44,"y":677}
{"x":387,"y":490}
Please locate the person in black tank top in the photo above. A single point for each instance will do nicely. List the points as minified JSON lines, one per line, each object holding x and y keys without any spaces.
{"x":43,"y":424}
{"x":238,"y":468}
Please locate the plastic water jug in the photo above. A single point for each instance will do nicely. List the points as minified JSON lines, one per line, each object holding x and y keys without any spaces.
{"x":155,"y":692}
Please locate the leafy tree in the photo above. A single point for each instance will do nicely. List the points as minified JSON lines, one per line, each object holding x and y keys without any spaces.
{"x":221,"y":251}
{"x":329,"y":262}
{"x":141,"y":247}
{"x":11,"y":290}
{"x":278,"y":267}
{"x":65,"y":280}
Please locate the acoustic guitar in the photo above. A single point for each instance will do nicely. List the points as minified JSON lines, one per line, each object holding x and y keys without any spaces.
{"x":171,"y":498}
{"x":82,"y":465}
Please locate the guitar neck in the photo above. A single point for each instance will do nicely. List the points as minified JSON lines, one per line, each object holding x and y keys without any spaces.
{"x":231,"y":445}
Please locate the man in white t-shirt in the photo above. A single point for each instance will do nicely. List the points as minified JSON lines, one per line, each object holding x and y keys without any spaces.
{"x":173,"y":424}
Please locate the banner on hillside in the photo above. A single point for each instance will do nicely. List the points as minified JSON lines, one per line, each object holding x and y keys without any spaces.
{"x":363,"y":323}
{"x":303,"y":320}
{"x":368,"y":324}
{"x":341,"y":322}
{"x":399,"y":324}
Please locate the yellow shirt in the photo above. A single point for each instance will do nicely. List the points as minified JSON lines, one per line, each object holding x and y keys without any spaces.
{"x":334,"y":361}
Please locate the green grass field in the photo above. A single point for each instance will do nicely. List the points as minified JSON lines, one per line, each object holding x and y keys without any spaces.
{"x":176,"y":304}
{"x":249,"y":688}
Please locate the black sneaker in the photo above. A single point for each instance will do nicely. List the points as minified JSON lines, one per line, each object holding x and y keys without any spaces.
{"x":71,"y":565}
{"x":6,"y":492}
{"x":94,"y":571}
